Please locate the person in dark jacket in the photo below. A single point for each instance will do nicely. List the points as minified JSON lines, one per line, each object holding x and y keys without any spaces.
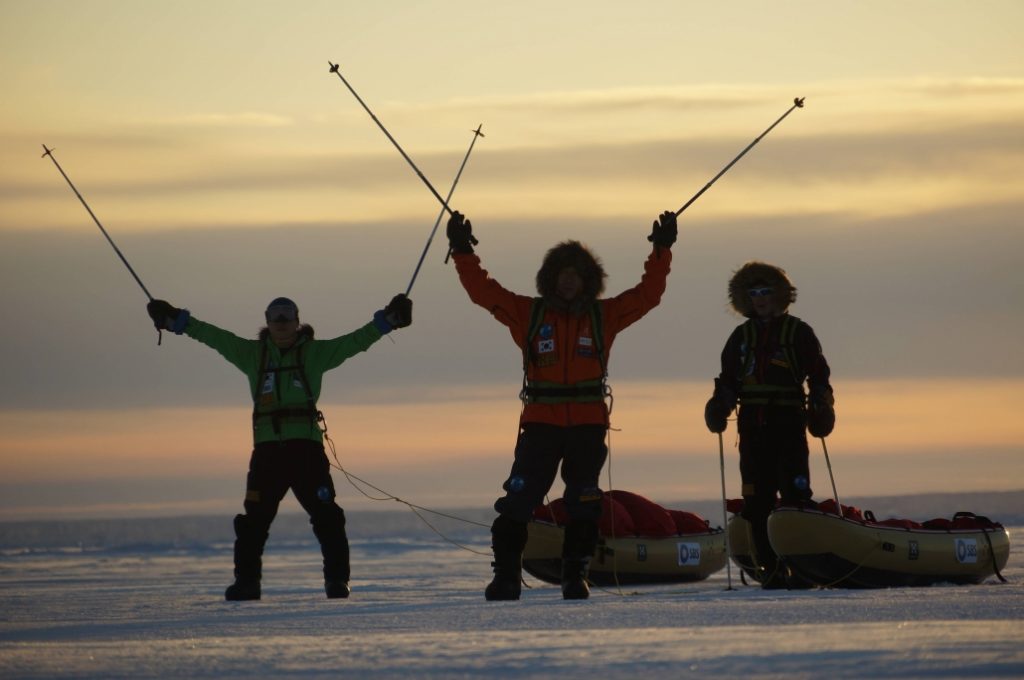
{"x":285,"y":367}
{"x":565,"y":336}
{"x":765,"y":363}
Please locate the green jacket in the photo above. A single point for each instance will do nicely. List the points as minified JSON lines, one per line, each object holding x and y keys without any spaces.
{"x":285,"y":386}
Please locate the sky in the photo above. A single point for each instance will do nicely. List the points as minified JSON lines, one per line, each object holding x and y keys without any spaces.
{"x":229,"y":166}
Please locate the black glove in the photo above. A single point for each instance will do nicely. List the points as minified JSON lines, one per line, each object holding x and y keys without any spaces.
{"x":719,"y":406}
{"x":716,"y":413}
{"x":821,"y":414}
{"x":664,"y":231}
{"x":398,"y":314}
{"x":165,"y":317}
{"x":460,"y":234}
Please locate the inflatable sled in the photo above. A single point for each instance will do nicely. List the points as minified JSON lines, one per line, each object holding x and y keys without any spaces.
{"x":640,"y":542}
{"x":741,"y":542}
{"x":858,"y":551}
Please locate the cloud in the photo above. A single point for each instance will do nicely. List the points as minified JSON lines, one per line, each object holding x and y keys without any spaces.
{"x":957,"y":88}
{"x":717,"y":99}
{"x":874,"y":147}
{"x":594,"y":103}
{"x":255,"y":119}
{"x":927,"y":295}
{"x":959,"y":162}
{"x":892,"y":436}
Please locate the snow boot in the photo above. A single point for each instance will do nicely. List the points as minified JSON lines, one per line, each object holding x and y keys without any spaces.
{"x":249,"y":542}
{"x":329,"y":528}
{"x":574,"y":579}
{"x":769,"y":571}
{"x":336,"y":589}
{"x":782,"y":577}
{"x":772,"y":580}
{"x":508,"y":538}
{"x":244,"y":588}
{"x":577,"y":547}
{"x":507,"y":584}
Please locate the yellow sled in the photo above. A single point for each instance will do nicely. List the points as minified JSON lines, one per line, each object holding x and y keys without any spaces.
{"x":741,"y":548}
{"x":629,"y":560}
{"x":830,"y":550}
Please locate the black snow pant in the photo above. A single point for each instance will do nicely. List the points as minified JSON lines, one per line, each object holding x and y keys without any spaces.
{"x":300,"y":465}
{"x":581,"y":451}
{"x":773,"y":463}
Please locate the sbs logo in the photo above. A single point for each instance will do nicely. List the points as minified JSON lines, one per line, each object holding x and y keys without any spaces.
{"x":689,"y":553}
{"x":966,"y":550}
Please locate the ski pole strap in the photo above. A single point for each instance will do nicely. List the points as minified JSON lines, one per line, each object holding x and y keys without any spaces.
{"x":544,"y":392}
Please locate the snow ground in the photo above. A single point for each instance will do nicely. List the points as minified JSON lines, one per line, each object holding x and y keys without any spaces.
{"x":417,"y":610}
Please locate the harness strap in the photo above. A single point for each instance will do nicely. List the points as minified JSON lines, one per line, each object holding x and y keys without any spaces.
{"x":548,"y":392}
{"x":309,"y":413}
{"x":773,"y":395}
{"x":543,"y":392}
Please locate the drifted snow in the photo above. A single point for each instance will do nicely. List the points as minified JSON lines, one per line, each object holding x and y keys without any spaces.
{"x":417,"y":610}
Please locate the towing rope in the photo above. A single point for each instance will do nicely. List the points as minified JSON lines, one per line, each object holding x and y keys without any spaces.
{"x":386,"y":496}
{"x":418,"y":510}
{"x":611,"y":486}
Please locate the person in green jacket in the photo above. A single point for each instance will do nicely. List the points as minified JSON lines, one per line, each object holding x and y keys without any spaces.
{"x":285,"y":368}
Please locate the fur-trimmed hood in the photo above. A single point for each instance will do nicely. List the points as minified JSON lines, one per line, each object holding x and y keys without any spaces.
{"x":755,"y":274}
{"x":576,"y":255}
{"x":305,"y":331}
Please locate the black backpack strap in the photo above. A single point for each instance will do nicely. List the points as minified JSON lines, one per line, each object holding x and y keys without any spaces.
{"x":310,"y":401}
{"x":747,"y":347}
{"x":261,"y":379}
{"x":537,"y":309}
{"x":597,"y":326}
{"x":787,"y":340}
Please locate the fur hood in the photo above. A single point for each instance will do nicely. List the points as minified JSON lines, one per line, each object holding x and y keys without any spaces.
{"x":576,"y":255}
{"x":753,"y":275}
{"x":305,"y":331}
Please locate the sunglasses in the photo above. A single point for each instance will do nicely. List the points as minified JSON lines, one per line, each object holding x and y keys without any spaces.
{"x":281,"y":314}
{"x":759,"y":292}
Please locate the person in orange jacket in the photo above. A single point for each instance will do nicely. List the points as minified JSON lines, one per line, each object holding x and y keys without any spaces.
{"x":565,"y":336}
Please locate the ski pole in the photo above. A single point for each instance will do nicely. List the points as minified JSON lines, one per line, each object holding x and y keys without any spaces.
{"x":49,"y":152}
{"x":334,"y":69}
{"x":835,"y":494}
{"x":798,"y":103}
{"x":725,"y":521}
{"x":440,"y":215}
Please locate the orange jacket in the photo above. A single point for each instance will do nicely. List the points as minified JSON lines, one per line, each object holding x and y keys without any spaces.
{"x":571,"y":357}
